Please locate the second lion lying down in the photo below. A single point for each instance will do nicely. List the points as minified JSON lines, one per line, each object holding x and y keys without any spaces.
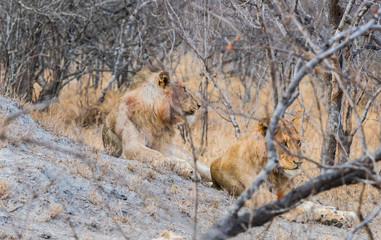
{"x":142,"y":124}
{"x":236,"y":170}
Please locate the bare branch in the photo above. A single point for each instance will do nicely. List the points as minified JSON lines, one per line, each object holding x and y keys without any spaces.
{"x":365,"y":7}
{"x":123,"y":48}
{"x":350,"y":234}
{"x":269,"y":56}
{"x":225,"y":99}
{"x":221,"y":229}
{"x":368,"y":105}
{"x":348,"y":174}
{"x":345,"y":16}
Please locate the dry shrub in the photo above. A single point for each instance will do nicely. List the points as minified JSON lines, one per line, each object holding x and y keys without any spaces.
{"x":94,"y":198}
{"x":83,"y":170}
{"x":6,"y":236}
{"x":4,"y":191}
{"x":123,"y":219}
{"x":77,"y":114}
{"x":54,"y":210}
{"x":151,"y":207}
{"x":151,"y":174}
{"x":131,"y":167}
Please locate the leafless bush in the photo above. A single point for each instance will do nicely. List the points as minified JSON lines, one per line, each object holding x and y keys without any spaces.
{"x":279,"y":45}
{"x":45,"y":45}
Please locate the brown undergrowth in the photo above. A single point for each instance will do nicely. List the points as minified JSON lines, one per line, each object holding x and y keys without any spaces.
{"x":77,"y":116}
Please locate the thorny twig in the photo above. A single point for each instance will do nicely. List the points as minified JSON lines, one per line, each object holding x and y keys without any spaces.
{"x":360,"y":215}
{"x":219,"y":230}
{"x":269,"y":56}
{"x":350,"y":234}
{"x":357,"y":117}
{"x":345,"y":16}
{"x":367,"y":107}
{"x":188,"y":129}
{"x":204,"y":68}
{"x":123,"y":48}
{"x":350,"y":174}
{"x":365,"y":7}
{"x":225,"y":99}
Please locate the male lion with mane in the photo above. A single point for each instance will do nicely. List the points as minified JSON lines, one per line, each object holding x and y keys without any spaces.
{"x":236,"y":170}
{"x":142,"y":124}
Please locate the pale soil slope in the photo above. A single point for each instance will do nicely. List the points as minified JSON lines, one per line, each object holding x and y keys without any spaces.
{"x":51,"y":193}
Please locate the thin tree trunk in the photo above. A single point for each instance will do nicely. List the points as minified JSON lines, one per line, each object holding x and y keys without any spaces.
{"x":328,"y":149}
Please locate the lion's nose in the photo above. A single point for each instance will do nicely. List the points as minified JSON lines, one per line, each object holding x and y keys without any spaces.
{"x":298,"y":163}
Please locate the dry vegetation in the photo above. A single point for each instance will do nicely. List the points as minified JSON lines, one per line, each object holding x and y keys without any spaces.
{"x":244,"y":60}
{"x":76,"y":114}
{"x":67,"y":117}
{"x":4,"y":191}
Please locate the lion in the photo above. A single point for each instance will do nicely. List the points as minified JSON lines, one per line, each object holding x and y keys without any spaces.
{"x":142,"y":124}
{"x":236,"y":170}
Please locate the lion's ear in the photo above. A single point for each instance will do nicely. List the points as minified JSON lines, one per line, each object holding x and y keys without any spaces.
{"x":163,"y":79}
{"x":263,"y":125}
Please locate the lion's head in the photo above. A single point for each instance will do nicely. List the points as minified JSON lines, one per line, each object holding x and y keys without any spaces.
{"x":188,"y":102}
{"x":158,"y":103}
{"x":240,"y":165}
{"x":181,"y":101}
{"x":288,"y":144}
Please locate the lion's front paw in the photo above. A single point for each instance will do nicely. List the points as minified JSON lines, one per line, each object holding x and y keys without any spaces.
{"x":309,"y":211}
{"x":333,"y":217}
{"x":185,"y":170}
{"x":195,"y":176}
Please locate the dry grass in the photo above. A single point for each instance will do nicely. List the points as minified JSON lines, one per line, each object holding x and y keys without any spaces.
{"x":4,"y":190}
{"x":54,"y":210}
{"x":94,"y":198}
{"x":81,"y":119}
{"x":76,"y":116}
{"x":6,"y":236}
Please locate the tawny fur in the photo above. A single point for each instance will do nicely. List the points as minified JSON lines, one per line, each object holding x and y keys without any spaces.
{"x":142,"y":124}
{"x":236,"y":170}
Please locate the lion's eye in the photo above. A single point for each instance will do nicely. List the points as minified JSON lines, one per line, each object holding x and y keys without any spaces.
{"x":299,"y":143}
{"x":285,"y":144}
{"x":185,"y":89}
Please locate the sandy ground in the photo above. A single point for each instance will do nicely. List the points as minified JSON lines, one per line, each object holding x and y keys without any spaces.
{"x":54,"y":188}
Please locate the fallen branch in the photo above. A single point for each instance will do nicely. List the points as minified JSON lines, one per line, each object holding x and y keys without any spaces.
{"x":349,"y":173}
{"x":228,"y":223}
